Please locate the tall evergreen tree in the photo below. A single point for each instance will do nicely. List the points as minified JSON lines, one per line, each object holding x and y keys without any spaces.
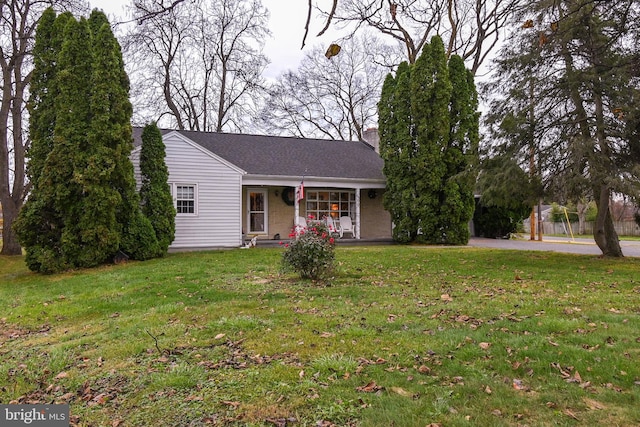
{"x":570,"y":75}
{"x":84,"y":189}
{"x":59,"y":179}
{"x":460,"y":156}
{"x":155,"y":194}
{"x":397,"y":146}
{"x":428,"y":139}
{"x":430,"y":96}
{"x":38,"y":222}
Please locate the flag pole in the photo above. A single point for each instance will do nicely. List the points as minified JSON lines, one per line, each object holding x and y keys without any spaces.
{"x":299,"y":195}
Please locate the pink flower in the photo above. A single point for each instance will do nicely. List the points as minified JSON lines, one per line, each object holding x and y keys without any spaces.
{"x":332,"y":240}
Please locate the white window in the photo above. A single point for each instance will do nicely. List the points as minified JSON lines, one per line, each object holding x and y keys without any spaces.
{"x":185,"y":198}
{"x":330,"y":203}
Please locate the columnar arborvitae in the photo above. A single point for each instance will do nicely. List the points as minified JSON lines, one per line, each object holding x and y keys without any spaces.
{"x":460,"y":156}
{"x":428,"y":139}
{"x":84,"y":189}
{"x":39,"y":223}
{"x":61,"y":176}
{"x":397,"y":147}
{"x":155,"y":194}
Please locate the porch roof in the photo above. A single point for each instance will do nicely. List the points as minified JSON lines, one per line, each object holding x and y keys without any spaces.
{"x":264,"y":155}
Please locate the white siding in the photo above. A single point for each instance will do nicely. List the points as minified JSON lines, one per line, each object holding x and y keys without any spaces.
{"x":218,"y":220}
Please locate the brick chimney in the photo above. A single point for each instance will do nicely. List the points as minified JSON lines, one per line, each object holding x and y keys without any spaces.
{"x":372,"y":137}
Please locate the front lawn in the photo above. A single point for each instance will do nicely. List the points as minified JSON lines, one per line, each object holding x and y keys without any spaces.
{"x":400,"y":336}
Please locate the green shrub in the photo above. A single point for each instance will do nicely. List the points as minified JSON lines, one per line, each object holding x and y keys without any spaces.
{"x":310,"y":253}
{"x":139,"y":239}
{"x":498,"y":222}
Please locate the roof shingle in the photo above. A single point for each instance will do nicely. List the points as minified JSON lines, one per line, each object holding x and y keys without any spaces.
{"x":289,"y":156}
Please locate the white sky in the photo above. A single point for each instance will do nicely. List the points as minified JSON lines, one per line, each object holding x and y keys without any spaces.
{"x":286,"y":22}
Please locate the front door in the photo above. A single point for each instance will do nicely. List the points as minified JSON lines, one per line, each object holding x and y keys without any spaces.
{"x":257,"y":211}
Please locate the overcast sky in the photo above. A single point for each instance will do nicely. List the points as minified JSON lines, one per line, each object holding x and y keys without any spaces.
{"x":286,"y":23}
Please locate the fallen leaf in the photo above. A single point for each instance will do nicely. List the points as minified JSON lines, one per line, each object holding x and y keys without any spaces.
{"x":577,"y":377}
{"x":401,"y":391}
{"x":446,"y":297}
{"x":484,"y":345}
{"x":233,"y":404}
{"x":101,"y":399}
{"x":518,"y":385}
{"x":570,"y":414}
{"x":487,"y":390}
{"x":301,"y":374}
{"x":424,"y":369}
{"x":327,"y":335}
{"x":371,"y":387}
{"x":593,"y":404}
{"x":62,"y":375}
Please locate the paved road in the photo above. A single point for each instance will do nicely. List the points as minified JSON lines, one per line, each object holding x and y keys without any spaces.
{"x":555,"y":244}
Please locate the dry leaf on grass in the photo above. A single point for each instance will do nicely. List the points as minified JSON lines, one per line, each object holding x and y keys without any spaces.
{"x":371,"y":387}
{"x":402,"y":392}
{"x":570,"y":414}
{"x":593,"y":404}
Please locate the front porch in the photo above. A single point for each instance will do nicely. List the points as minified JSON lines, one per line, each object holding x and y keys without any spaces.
{"x":270,"y":211}
{"x":270,"y":243}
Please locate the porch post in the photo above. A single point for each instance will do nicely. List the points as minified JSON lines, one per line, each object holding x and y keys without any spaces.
{"x":296,"y":214}
{"x":357,"y":236}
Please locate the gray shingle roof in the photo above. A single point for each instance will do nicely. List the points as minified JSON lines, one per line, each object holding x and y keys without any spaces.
{"x":288,"y":156}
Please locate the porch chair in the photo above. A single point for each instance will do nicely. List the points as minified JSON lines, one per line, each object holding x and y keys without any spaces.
{"x":300,"y":225}
{"x":346,"y":226}
{"x":333,"y":228}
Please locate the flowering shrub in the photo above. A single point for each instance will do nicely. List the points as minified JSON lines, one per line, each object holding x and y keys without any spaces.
{"x":310,"y":252}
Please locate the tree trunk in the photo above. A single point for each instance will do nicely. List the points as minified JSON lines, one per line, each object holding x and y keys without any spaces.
{"x":582,"y":216}
{"x":604,"y":233}
{"x":10,"y":244}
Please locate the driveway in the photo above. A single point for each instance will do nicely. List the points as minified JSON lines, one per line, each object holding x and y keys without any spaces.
{"x":582,"y":246}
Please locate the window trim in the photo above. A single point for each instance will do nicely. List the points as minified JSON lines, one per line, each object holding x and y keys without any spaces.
{"x":174,"y":194}
{"x":265,"y":194}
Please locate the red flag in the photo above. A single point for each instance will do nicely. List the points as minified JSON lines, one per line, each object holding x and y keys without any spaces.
{"x":301,"y":191}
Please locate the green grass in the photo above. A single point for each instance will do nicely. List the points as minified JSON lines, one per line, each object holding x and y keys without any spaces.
{"x":400,"y":336}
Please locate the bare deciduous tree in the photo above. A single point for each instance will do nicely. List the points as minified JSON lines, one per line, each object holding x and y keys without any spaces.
{"x":331,"y":98}
{"x":470,"y":28}
{"x":198,"y":64}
